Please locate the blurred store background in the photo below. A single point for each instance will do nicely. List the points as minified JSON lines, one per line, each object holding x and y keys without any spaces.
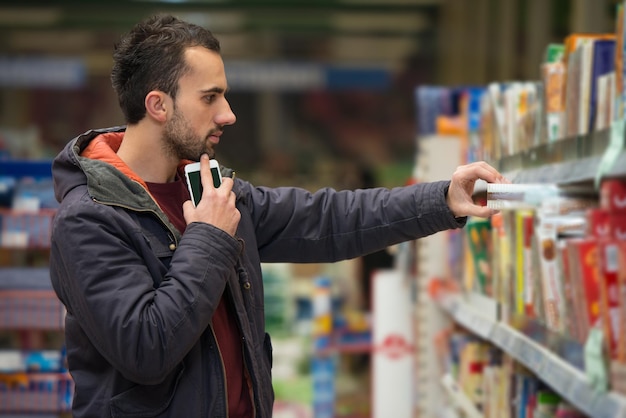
{"x":324,"y":92}
{"x":314,"y":83}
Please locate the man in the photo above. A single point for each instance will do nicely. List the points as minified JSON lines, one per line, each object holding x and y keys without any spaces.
{"x":165,"y":299}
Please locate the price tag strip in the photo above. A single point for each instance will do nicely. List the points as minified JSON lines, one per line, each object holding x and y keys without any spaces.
{"x":612,"y":152}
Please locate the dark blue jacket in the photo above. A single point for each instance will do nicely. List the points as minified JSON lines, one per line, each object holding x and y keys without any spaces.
{"x":140,"y":296}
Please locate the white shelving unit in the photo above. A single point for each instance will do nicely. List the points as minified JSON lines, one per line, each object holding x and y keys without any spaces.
{"x":431,"y":263}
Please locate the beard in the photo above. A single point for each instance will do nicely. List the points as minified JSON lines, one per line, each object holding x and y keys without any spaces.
{"x":181,"y":141}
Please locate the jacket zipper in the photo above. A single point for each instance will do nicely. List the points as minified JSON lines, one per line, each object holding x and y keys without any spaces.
{"x":246,"y":370}
{"x":245,"y":284}
{"x":223,"y":368}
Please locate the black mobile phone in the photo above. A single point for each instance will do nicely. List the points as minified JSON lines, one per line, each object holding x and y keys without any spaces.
{"x":192,"y":174}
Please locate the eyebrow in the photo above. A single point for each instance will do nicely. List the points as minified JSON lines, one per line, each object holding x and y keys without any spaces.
{"x":215,"y":90}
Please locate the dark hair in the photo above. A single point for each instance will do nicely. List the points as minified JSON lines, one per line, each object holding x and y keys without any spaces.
{"x":151,"y":57}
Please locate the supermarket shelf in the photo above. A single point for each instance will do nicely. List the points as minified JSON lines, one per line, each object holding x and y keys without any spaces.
{"x":569,"y":382}
{"x":25,"y":278}
{"x":567,"y":161}
{"x":31,"y":309}
{"x":24,"y":229}
{"x":36,"y":393}
{"x":460,"y":399}
{"x":27,"y":300}
{"x":33,"y":379}
{"x":570,"y":172}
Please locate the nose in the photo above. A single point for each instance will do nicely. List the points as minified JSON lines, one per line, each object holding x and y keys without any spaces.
{"x":226,"y":115}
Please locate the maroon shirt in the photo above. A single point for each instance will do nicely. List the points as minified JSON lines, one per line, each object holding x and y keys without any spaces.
{"x":170,"y":197}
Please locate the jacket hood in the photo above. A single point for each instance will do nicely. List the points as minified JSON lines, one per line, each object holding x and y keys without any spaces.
{"x":68,"y":171}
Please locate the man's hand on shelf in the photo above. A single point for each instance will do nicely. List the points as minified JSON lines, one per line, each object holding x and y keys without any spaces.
{"x":461,"y":190}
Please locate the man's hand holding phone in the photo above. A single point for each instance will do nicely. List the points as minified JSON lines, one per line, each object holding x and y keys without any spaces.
{"x":216,"y":205}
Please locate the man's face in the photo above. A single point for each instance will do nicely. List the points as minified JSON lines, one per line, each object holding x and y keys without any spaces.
{"x":200,"y":110}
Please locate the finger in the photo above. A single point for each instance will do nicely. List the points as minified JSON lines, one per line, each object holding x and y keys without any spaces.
{"x":205,"y":173}
{"x":488,"y":173}
{"x":486,"y":170}
{"x":482,"y":211}
{"x":188,"y":205}
{"x":227,"y":184}
{"x":499,"y":178}
{"x":188,"y":210}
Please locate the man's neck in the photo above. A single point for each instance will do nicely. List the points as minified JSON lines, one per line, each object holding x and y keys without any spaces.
{"x":142,"y":152}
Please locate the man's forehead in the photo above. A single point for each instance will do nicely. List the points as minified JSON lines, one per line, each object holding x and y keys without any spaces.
{"x":205,"y":66}
{"x":199,"y":54}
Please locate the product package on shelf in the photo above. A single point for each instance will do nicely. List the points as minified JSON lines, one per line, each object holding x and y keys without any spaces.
{"x":620,"y":57}
{"x":25,"y":229}
{"x":603,"y":64}
{"x":608,"y":226}
{"x":617,"y":367}
{"x":551,"y":285}
{"x":553,"y":76}
{"x":585,"y":276}
{"x":526,"y":302}
{"x":431,"y":102}
{"x":480,"y":247}
{"x":581,"y":62}
{"x":556,"y":220}
{"x":500,"y":261}
{"x":517,"y":109}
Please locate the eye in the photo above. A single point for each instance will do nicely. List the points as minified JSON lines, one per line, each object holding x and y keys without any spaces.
{"x":210,"y":98}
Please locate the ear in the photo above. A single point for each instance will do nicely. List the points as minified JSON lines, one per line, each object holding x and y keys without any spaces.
{"x":156,"y":105}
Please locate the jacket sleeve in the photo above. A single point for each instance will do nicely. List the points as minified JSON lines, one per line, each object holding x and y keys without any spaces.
{"x":99,"y":270}
{"x":294,"y":225}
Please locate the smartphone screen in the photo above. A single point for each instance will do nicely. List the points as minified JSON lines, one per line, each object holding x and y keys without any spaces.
{"x":195,"y":185}
{"x":215,"y":173}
